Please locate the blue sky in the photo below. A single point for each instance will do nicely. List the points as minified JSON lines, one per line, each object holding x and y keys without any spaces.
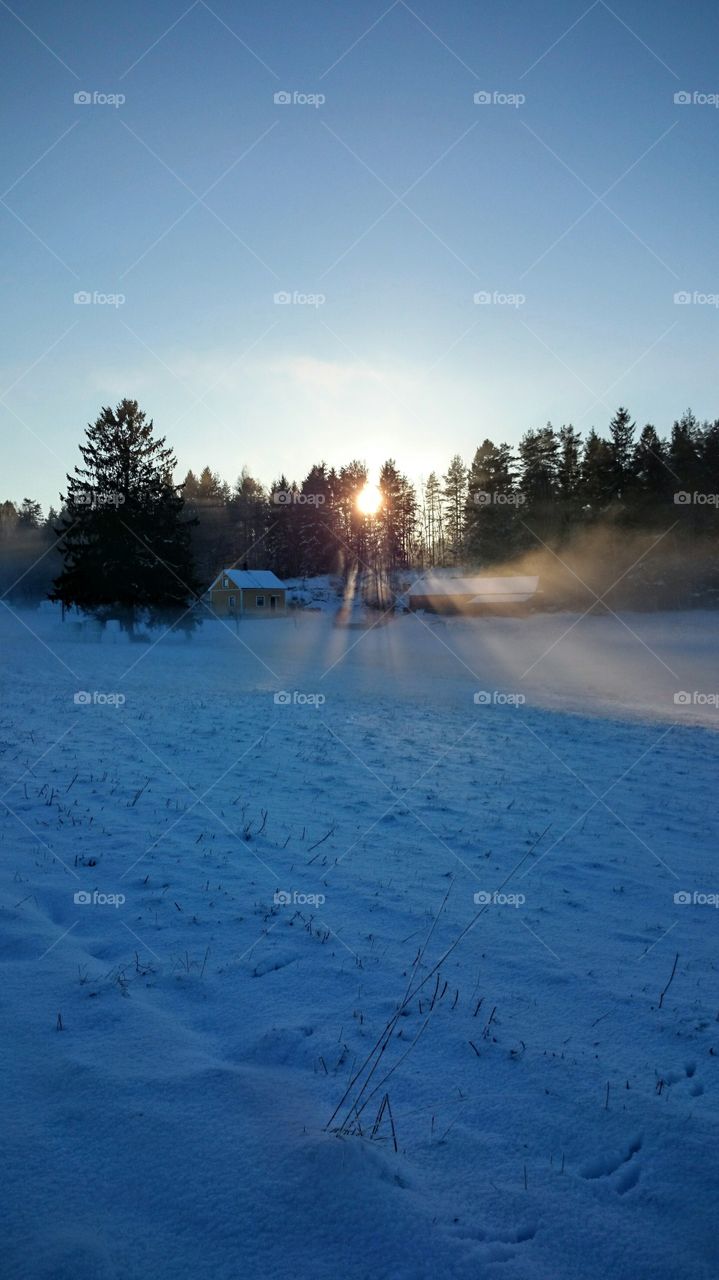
{"x":396,"y":201}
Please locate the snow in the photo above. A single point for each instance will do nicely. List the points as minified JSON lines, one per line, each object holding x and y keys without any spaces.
{"x":480,"y":590}
{"x":171,"y":1061}
{"x":248,"y":578}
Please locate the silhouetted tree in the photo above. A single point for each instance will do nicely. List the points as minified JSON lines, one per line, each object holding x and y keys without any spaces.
{"x":124,"y":542}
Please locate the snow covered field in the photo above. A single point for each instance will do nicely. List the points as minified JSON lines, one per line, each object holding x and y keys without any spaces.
{"x":262,"y":876}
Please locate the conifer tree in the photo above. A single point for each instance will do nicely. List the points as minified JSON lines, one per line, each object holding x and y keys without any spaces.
{"x":455,"y":497}
{"x":123,"y":540}
{"x":492,"y":522}
{"x":621,"y":432}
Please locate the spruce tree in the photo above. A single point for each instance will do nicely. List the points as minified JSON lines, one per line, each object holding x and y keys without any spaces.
{"x":124,"y":544}
{"x":282,"y":539}
{"x":318,"y":544}
{"x":685,"y":452}
{"x":654,"y":481}
{"x":621,"y":431}
{"x":569,"y":477}
{"x":598,"y":474}
{"x":492,"y":522}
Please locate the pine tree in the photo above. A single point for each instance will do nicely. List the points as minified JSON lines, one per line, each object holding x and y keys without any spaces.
{"x":539,"y":459}
{"x":710,"y":458}
{"x":455,"y":496}
{"x":433,"y":521}
{"x":124,"y":543}
{"x":352,"y":527}
{"x":30,"y":514}
{"x":8,"y":517}
{"x":396,"y":518}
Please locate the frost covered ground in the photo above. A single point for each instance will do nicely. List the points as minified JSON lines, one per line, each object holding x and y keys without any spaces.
{"x":262,"y":877}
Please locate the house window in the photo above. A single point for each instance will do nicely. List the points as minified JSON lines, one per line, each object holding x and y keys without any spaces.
{"x":231,"y":602}
{"x":226,"y":583}
{"x":260,"y":601}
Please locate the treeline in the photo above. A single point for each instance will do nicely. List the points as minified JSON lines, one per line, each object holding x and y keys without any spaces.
{"x":28,"y":559}
{"x":552,"y":487}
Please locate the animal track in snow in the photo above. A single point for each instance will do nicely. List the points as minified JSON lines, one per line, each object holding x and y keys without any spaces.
{"x":606,"y":1165}
{"x":696,"y":1088}
{"x":496,"y":1246}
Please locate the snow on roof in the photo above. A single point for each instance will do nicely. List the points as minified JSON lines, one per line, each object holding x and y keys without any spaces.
{"x":478,"y":590}
{"x":260,"y":579}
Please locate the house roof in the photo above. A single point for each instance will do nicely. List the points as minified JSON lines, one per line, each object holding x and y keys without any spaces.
{"x":259,"y":579}
{"x":479,"y":590}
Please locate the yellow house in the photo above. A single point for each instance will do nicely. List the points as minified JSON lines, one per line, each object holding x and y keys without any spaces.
{"x":240,"y":593}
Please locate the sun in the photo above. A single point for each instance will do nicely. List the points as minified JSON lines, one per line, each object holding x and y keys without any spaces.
{"x":369,"y":500}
